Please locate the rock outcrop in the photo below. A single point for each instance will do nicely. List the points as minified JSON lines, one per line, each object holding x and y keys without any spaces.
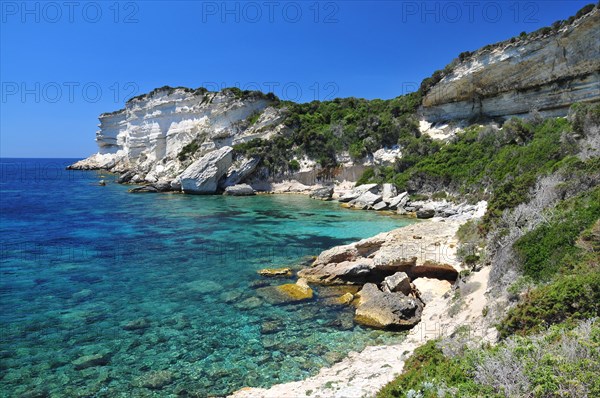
{"x":386,"y":310}
{"x":548,"y":72}
{"x":202,"y":176}
{"x":159,"y":134}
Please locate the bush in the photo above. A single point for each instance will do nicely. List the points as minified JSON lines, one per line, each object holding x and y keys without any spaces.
{"x":550,"y":247}
{"x":293,"y":165}
{"x":568,"y":298}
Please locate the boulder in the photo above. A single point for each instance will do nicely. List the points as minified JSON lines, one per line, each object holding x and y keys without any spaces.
{"x":366,"y":200}
{"x":126,"y":177}
{"x":345,"y":272}
{"x":399,"y":282}
{"x":389,"y":191}
{"x":162,"y":186}
{"x":324,"y":193}
{"x":286,"y":272}
{"x":239,"y":190}
{"x":176,"y":185}
{"x":358,"y":191}
{"x":238,"y":172}
{"x":345,"y":299}
{"x":398,"y":201}
{"x":384,"y":310}
{"x":380,"y":206}
{"x":425,"y":213}
{"x":88,"y":361}
{"x":202,"y":176}
{"x":144,"y":189}
{"x":288,"y":293}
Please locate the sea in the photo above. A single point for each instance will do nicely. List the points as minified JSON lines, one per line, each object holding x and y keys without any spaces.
{"x":107,"y":293}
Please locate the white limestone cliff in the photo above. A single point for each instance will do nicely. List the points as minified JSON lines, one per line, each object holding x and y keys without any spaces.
{"x":158,"y":135}
{"x":547,"y":72}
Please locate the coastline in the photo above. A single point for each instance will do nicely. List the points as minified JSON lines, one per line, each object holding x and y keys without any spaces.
{"x":363,"y":373}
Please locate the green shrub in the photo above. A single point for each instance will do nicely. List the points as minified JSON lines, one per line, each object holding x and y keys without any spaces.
{"x":428,"y":363}
{"x":548,"y":248}
{"x":568,"y":298}
{"x":293,"y":165}
{"x":188,"y":150}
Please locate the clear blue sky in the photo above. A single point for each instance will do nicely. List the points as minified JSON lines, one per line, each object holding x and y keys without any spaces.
{"x":64,"y":63}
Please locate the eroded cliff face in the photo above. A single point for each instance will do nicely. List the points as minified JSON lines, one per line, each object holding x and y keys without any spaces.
{"x":159,"y":135}
{"x":547,"y":73}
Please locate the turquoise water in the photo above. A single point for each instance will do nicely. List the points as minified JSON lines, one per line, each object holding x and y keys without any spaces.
{"x":161,"y":289}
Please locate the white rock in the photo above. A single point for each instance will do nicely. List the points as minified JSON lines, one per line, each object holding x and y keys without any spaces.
{"x":398,"y":201}
{"x":203,"y":175}
{"x":365,"y":200}
{"x":239,"y":190}
{"x":389,"y":192}
{"x":399,"y":282}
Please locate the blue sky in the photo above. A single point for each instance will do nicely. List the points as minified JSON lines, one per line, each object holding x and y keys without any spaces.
{"x":64,"y":63}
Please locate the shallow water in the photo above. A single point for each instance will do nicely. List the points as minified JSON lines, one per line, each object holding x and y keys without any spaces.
{"x":161,"y":288}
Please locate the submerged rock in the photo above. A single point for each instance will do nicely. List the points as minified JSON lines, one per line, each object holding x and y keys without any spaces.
{"x":385,"y":310}
{"x":155,"y":380}
{"x":137,"y":324}
{"x":288,"y":293}
{"x":286,"y":272}
{"x":345,"y":299}
{"x":88,"y":361}
{"x":249,"y":303}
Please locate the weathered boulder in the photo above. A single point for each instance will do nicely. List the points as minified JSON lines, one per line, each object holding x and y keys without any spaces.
{"x":345,"y":299}
{"x":389,"y":191}
{"x":239,"y":190}
{"x":399,"y":282}
{"x":288,"y":293}
{"x":386,"y":310}
{"x":239,"y":171}
{"x":202,"y":176}
{"x":425,"y":213}
{"x":144,"y":189}
{"x":380,"y":206}
{"x":324,"y":193}
{"x":358,"y":191}
{"x":398,"y":201}
{"x":366,"y":200}
{"x":162,"y":185}
{"x":350,"y":272}
{"x":126,"y":177}
{"x":287,"y":272}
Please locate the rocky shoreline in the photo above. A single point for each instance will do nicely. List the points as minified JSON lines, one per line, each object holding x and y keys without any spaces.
{"x":405,"y":277}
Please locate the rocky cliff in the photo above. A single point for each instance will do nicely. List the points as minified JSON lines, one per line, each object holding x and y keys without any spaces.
{"x":547,"y":71}
{"x":159,"y":135}
{"x":167,"y":137}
